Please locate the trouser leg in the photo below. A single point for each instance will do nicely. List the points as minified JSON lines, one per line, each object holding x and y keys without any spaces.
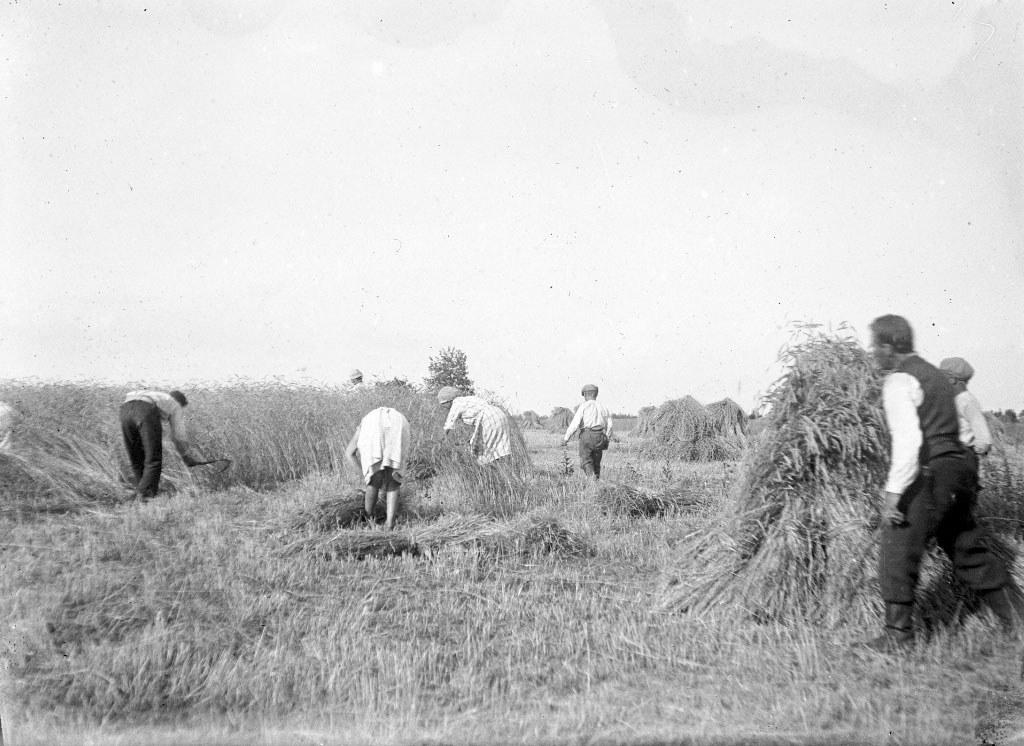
{"x":902,"y":547}
{"x":586,"y":456}
{"x":151,"y":435}
{"x":132,"y":441}
{"x":967,"y":544}
{"x":898,"y":632}
{"x":899,"y":564}
{"x":373,"y":488}
{"x":590,"y":454}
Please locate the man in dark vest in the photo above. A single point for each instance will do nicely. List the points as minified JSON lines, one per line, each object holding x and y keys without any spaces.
{"x":930,"y":491}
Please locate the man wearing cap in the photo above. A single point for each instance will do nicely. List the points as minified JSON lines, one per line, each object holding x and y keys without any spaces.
{"x":930,"y":489}
{"x":142,"y":416}
{"x":492,"y":428}
{"x":974,"y":432}
{"x":594,"y":424}
{"x":355,"y":378}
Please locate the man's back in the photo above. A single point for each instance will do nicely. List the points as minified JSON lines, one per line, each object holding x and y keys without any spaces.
{"x":937,"y":415}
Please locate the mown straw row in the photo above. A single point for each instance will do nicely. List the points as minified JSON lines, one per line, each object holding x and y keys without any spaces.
{"x":332,"y":514}
{"x":53,"y":473}
{"x":623,"y":499}
{"x":522,"y":536}
{"x":347,"y":509}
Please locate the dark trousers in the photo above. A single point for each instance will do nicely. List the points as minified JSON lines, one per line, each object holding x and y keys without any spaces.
{"x":940,"y":503}
{"x":590,"y":454}
{"x":143,"y":439}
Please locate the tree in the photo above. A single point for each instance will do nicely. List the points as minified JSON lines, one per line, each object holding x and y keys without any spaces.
{"x":448,"y":369}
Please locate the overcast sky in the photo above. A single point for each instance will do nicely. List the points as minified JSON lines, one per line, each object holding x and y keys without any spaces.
{"x":642,"y":195}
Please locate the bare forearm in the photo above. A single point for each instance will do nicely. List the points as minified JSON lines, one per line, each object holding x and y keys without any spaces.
{"x":183,"y":448}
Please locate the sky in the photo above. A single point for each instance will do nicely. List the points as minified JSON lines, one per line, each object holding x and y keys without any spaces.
{"x":641,"y":195}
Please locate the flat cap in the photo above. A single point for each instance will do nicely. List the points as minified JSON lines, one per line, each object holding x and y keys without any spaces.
{"x":589,"y":388}
{"x":355,"y":375}
{"x":958,"y":368}
{"x":447,"y":394}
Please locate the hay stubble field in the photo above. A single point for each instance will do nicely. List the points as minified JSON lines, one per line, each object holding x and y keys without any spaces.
{"x":527,"y":609}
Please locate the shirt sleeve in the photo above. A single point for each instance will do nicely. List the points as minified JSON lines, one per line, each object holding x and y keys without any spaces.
{"x":576,"y":420}
{"x":179,"y":433}
{"x":453,"y":414}
{"x":901,"y":396}
{"x":608,"y":423}
{"x":353,"y":444}
{"x":973,"y":414}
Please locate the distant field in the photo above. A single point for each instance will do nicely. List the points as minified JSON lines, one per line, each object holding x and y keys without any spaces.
{"x":181,"y":620}
{"x":624,"y":424}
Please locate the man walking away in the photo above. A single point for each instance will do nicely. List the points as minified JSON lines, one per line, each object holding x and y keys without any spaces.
{"x":142,"y":416}
{"x":594,"y":424}
{"x":382,"y":441}
{"x":930,"y":490}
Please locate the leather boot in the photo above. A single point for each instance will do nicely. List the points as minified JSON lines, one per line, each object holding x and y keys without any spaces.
{"x":1001,"y":603}
{"x":898,"y":634}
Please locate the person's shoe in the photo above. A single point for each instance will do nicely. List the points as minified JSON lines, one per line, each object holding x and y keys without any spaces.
{"x":898,"y":635}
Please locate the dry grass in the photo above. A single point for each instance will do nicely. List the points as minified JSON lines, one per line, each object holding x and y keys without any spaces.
{"x":68,"y":452}
{"x":334,"y":513}
{"x":531,"y":420}
{"x":179,"y":621}
{"x":525,"y":536}
{"x":677,"y":498}
{"x":559,"y":420}
{"x":800,"y":541}
{"x":728,"y":419}
{"x":177,"y":615}
{"x":645,"y":422}
{"x":1001,"y":500}
{"x":55,"y":473}
{"x":684,"y":429}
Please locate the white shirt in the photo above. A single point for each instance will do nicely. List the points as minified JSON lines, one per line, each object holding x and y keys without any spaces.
{"x":382,"y":440}
{"x":974,"y":432}
{"x":901,"y":396}
{"x":590,"y":414}
{"x":170,"y":411}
